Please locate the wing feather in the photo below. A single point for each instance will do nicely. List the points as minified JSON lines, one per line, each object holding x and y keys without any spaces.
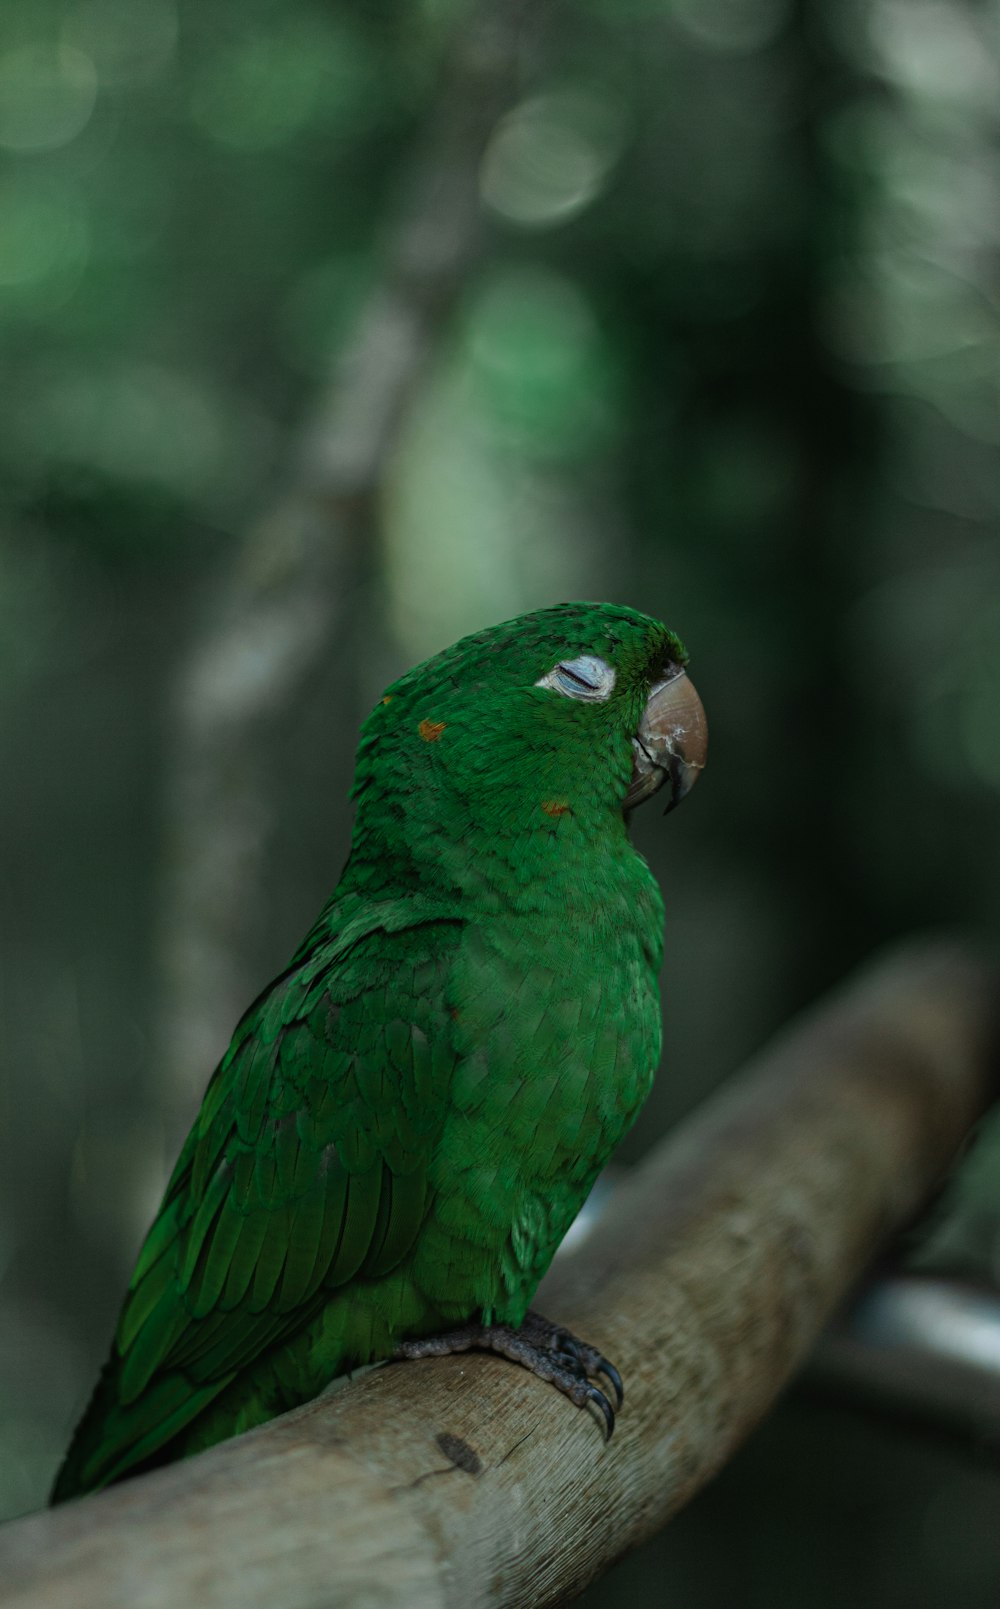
{"x":306,"y":1167}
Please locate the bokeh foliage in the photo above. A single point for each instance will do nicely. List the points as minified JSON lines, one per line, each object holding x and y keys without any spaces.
{"x":730,"y":355}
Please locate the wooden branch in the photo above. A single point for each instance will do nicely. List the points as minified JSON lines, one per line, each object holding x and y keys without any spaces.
{"x":273,"y":618}
{"x":465,"y":1481}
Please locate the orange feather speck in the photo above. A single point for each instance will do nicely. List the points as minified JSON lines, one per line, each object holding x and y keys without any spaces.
{"x":430,"y":731}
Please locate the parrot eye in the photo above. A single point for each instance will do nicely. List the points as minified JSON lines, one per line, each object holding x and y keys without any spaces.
{"x":586,"y":678}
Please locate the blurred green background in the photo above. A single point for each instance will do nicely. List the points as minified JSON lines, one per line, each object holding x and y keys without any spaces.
{"x":719,"y":340}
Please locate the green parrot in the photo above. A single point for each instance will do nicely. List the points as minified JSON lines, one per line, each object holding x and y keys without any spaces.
{"x":409,"y":1118}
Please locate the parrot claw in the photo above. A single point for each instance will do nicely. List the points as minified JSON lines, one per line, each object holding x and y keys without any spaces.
{"x":611,"y":1373}
{"x":548,"y":1350}
{"x":578,"y":1356}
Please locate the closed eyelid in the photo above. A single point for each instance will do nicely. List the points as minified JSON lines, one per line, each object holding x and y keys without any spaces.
{"x":586,"y":678}
{"x":575,"y":674}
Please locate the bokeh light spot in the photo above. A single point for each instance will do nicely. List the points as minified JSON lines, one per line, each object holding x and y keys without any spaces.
{"x":47,"y":96}
{"x":934,"y":52}
{"x":141,"y":422}
{"x":130,"y":41}
{"x":550,"y":157}
{"x":271,"y":86}
{"x":734,"y":25}
{"x":45,"y":239}
{"x":540,"y":364}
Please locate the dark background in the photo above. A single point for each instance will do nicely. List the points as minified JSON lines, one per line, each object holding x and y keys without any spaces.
{"x":705,"y":301}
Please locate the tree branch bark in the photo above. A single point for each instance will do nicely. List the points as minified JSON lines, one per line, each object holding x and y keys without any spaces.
{"x":466,"y":1481}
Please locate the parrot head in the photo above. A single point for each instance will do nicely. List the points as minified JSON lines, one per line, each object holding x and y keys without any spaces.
{"x":560,"y":720}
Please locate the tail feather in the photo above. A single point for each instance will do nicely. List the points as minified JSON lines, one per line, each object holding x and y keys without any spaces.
{"x":115,"y":1438}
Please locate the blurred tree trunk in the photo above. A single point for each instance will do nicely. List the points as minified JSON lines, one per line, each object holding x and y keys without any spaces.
{"x":275,"y":617}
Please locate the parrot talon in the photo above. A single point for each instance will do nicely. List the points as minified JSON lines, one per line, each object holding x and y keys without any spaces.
{"x":551,"y":1352}
{"x":611,"y":1374}
{"x":577,"y":1355}
{"x":599,"y":1400}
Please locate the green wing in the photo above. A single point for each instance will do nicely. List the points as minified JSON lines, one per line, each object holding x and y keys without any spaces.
{"x":306,"y":1168}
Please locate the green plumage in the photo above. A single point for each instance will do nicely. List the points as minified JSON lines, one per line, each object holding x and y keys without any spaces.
{"x":408,"y":1119}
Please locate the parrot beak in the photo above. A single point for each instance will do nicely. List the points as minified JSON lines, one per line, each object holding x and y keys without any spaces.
{"x":671,"y":743}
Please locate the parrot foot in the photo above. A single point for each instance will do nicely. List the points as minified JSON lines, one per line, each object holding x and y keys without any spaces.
{"x":548,"y":1350}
